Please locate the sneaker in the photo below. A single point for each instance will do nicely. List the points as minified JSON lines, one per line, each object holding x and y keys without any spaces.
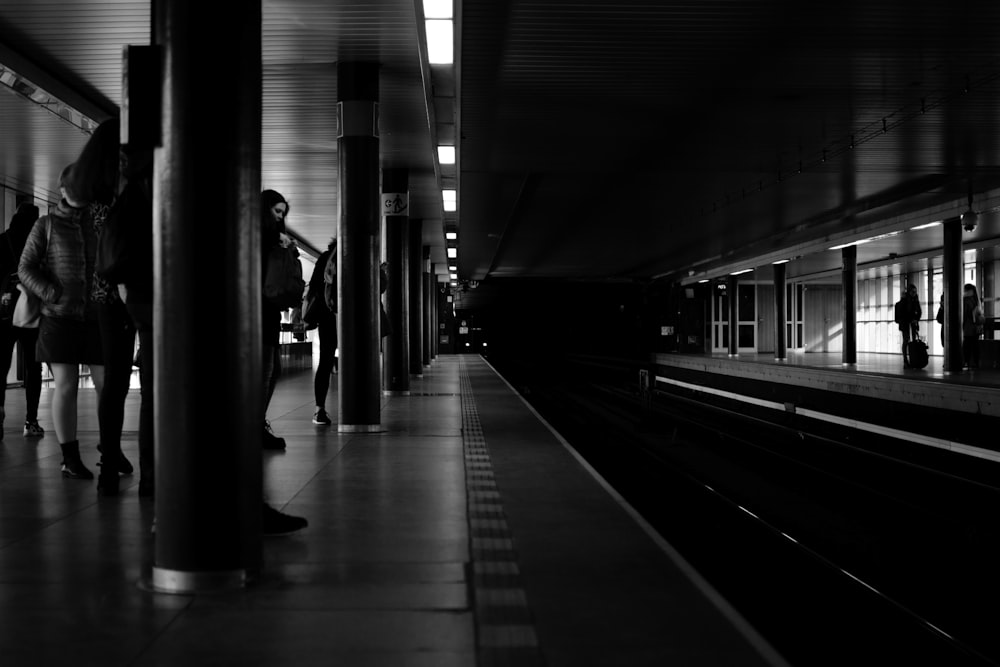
{"x":277,"y":523}
{"x":271,"y":441}
{"x":74,"y":469}
{"x":32,"y":429}
{"x":124,"y":467}
{"x":320,"y":417}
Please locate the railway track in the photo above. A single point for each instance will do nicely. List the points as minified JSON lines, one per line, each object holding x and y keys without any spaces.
{"x":835,"y":550}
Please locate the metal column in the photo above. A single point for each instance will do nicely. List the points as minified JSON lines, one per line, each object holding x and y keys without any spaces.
{"x":952,"y":279}
{"x":358,"y":244}
{"x":428,"y":307}
{"x":780,"y":344}
{"x":396,"y":352}
{"x":732,"y":285}
{"x":416,"y":297}
{"x":849,"y":282}
{"x":207,"y":232}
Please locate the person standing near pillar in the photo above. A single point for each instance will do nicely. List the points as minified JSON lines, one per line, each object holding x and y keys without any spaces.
{"x":57,"y":266}
{"x":907,"y":316}
{"x":972,"y":325}
{"x":96,"y":179}
{"x":326,"y":328}
{"x":273,"y":211}
{"x":11,"y":245}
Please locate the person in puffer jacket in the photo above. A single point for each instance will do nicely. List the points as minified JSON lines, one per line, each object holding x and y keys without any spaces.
{"x":57,"y":266}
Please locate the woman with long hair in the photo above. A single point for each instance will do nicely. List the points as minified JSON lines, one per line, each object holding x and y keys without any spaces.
{"x":97,"y":180}
{"x":972,"y":325}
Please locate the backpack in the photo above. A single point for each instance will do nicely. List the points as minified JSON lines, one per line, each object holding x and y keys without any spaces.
{"x":330,"y":282}
{"x":283,"y":282}
{"x":124,"y":247}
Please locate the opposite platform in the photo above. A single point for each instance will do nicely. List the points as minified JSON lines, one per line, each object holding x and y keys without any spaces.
{"x":463,"y":533}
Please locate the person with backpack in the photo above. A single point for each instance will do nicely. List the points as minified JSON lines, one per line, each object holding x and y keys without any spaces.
{"x":323,"y":293}
{"x":11,"y":245}
{"x":907,"y":317}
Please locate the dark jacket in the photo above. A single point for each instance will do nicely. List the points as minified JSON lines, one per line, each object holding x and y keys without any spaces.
{"x":909,"y":313}
{"x":57,"y":264}
{"x":270,"y":237}
{"x":972,"y":317}
{"x":12,"y":240}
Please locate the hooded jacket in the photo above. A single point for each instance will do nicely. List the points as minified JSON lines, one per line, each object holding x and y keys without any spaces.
{"x":57,"y":264}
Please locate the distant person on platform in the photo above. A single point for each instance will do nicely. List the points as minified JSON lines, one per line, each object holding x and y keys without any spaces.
{"x":908,"y":314}
{"x":972,"y":325}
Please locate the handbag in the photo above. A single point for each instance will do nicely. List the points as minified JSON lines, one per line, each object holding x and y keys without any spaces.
{"x":313,"y":310}
{"x":27,"y":311}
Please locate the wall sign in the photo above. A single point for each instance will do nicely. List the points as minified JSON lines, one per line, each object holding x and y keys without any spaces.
{"x":395,"y":203}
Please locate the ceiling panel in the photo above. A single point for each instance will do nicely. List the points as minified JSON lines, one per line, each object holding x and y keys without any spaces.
{"x":598,"y":140}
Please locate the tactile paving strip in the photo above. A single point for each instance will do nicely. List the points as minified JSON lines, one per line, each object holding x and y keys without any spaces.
{"x":505,"y":631}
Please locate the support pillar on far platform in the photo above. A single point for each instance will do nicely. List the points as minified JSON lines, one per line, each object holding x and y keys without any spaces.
{"x":849,"y":282}
{"x":732,"y":286}
{"x":780,"y":318}
{"x":952,"y":278}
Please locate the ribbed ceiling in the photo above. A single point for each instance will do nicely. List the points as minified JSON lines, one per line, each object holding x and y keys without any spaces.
{"x":598,"y":140}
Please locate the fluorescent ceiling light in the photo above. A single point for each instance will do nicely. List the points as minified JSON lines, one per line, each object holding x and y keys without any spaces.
{"x":782,"y":261}
{"x":440,"y":42}
{"x":736,"y":273}
{"x":450,"y":205}
{"x":451,"y":236}
{"x":844,"y":245}
{"x":437,"y":9}
{"x":452,"y":253}
{"x":449,"y":195}
{"x":454,"y":276}
{"x":446,"y":154}
{"x":929,"y":224}
{"x":703,"y":280}
{"x":452,"y":268}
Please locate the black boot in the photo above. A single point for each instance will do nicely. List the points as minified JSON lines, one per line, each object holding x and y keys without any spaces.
{"x":72,"y":466}
{"x":107,"y":484}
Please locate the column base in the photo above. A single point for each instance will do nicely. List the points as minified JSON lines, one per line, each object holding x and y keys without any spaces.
{"x":359,"y":428}
{"x":396,"y":392}
{"x":182,"y":582}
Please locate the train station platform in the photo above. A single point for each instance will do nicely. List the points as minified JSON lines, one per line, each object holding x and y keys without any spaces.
{"x":465,"y":532}
{"x":950,"y":410}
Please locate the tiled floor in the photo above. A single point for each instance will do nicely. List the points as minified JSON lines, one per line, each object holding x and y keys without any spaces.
{"x":463,"y":533}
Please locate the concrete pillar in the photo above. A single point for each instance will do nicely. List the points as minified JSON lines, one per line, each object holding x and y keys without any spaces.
{"x":428,"y":307}
{"x":416,"y":296}
{"x":359,"y":244}
{"x":952,"y":278}
{"x":206,"y":222}
{"x":396,"y":351}
{"x":849,"y":283}
{"x":732,"y":285}
{"x":780,"y":323}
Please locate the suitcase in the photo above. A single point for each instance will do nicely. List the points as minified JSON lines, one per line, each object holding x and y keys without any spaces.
{"x":916,"y":350}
